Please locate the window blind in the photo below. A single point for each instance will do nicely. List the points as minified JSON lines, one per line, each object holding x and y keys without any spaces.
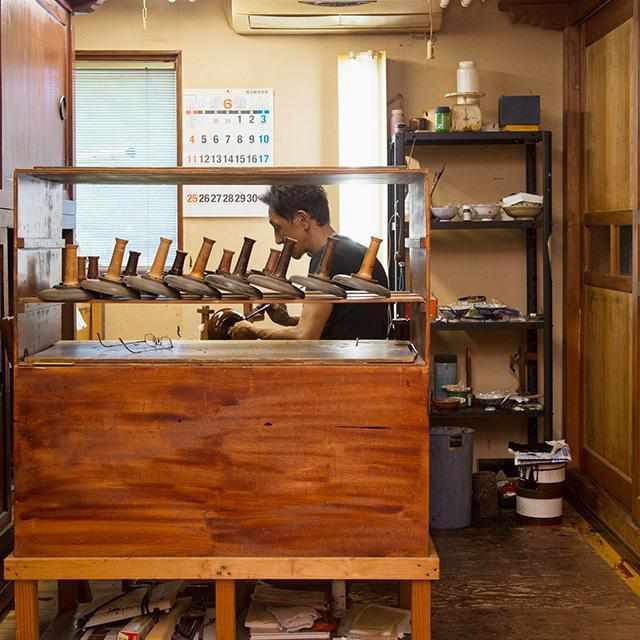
{"x":125,"y":118}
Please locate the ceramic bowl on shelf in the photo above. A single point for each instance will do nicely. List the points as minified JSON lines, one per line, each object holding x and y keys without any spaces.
{"x":444,"y":213}
{"x":486,"y":212}
{"x":490,"y":398}
{"x":448,"y":404}
{"x":524,"y":211}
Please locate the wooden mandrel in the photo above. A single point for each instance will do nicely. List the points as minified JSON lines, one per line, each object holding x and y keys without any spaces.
{"x":321,"y":279}
{"x":69,"y":289}
{"x":235,"y":282}
{"x":152,"y":281}
{"x":178,"y":263}
{"x":110,"y":283}
{"x":277,"y":281}
{"x":271,"y":264}
{"x":363,"y":280}
{"x":156,"y":272}
{"x":132,"y":264}
{"x":194,"y":282}
{"x":115,"y":266}
{"x":82,"y":268}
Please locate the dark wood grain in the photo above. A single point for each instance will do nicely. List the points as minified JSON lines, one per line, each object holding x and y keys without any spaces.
{"x":221,"y":461}
{"x":35,"y":67}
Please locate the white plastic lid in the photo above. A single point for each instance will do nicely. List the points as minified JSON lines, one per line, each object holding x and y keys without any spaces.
{"x":466,"y":64}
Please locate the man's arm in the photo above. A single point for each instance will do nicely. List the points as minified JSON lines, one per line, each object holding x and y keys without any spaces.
{"x":309,"y":327}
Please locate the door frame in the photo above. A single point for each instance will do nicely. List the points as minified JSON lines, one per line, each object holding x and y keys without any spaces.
{"x":601,"y":19}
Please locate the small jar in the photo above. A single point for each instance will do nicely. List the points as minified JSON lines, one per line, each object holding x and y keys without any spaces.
{"x":397,"y":118}
{"x":443,"y":119}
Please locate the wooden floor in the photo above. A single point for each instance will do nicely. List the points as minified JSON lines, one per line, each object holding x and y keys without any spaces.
{"x":533,"y":583}
{"x":505,"y":581}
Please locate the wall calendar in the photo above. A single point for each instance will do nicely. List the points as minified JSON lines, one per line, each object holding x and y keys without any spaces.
{"x":226,"y":128}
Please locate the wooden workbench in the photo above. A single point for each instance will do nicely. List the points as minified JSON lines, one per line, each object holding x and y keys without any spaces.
{"x":223,"y":461}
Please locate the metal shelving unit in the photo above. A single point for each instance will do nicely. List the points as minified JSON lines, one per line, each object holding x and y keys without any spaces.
{"x":533,"y":230}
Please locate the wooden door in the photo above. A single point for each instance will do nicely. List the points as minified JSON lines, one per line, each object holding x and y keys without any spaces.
{"x":35,"y":76}
{"x":609,"y":434}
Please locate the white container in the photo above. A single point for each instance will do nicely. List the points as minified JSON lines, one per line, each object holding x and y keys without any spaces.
{"x":467,"y":77}
{"x":544,"y":503}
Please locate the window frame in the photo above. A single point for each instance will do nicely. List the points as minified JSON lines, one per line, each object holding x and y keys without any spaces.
{"x":174,"y":57}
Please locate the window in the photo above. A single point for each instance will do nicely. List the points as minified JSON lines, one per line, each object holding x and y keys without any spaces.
{"x":125,"y":116}
{"x":362,"y":124}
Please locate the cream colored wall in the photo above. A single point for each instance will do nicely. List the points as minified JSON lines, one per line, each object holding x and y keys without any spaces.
{"x":302,"y":71}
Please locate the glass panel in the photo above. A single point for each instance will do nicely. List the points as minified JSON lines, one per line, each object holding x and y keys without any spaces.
{"x":600,"y":249}
{"x":626,"y":249}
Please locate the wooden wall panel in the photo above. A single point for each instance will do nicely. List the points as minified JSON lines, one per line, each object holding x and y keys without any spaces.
{"x":40,"y":205}
{"x":607,"y":379}
{"x":38,"y":328}
{"x":35,"y":65}
{"x":607,"y":121}
{"x":213,"y":461}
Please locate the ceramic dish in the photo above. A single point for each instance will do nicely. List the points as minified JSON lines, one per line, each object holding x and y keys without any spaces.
{"x":448,"y":404}
{"x":490,"y":398}
{"x":523,"y":211}
{"x":444,"y":213}
{"x":486,"y":211}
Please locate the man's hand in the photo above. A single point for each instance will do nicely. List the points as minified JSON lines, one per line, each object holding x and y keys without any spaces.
{"x":279,"y":314}
{"x":244,"y":330}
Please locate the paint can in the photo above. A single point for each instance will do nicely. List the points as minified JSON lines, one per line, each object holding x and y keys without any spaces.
{"x":539,"y":493}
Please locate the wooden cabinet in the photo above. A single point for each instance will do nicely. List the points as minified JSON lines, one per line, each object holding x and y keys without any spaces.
{"x":36,"y":78}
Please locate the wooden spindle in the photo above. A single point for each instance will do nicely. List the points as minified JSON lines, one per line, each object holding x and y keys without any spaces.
{"x":272,"y":261}
{"x":93,"y":270}
{"x":225,"y":261}
{"x":70,"y":258}
{"x":197,"y":273}
{"x":243,"y":259}
{"x":324,"y":268}
{"x":285,"y":259}
{"x":115,"y":266}
{"x":369,"y":260}
{"x":156,"y":272}
{"x":82,"y":268}
{"x":132,"y":264}
{"x":178,"y":263}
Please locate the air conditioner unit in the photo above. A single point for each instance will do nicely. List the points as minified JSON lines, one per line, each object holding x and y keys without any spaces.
{"x":332,"y":16}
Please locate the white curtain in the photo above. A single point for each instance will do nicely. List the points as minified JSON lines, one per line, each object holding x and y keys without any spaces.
{"x":362,"y":128}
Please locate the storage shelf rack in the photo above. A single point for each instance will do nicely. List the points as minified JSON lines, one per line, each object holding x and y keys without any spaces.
{"x":535,"y":230}
{"x":194,"y":499}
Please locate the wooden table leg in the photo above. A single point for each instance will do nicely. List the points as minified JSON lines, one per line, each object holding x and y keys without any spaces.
{"x":420,"y":610}
{"x":27,"y":618}
{"x":225,"y":610}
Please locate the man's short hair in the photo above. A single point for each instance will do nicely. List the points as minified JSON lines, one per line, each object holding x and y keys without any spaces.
{"x":285,"y":200}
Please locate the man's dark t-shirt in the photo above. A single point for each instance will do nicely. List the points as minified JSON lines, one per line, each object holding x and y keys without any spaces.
{"x":351,"y":321}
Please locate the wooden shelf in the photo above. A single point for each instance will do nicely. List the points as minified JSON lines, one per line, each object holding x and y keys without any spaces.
{"x":465,"y":225}
{"x":355,"y":297}
{"x":485,"y":325}
{"x":227,"y":176}
{"x":480,"y":412}
{"x":477,"y":137}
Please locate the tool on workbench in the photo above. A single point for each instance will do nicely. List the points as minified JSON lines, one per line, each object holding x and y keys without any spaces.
{"x":194,"y":282}
{"x":320,"y":280}
{"x":363,"y":280}
{"x":69,"y":289}
{"x":236,"y":282}
{"x":151,"y":282}
{"x":277,"y":281}
{"x":110,"y":283}
{"x":221,"y":322}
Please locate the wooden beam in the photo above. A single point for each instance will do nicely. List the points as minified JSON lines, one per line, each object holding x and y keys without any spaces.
{"x":573,"y":237}
{"x":27,"y":618}
{"x":606,"y":218}
{"x":424,"y":568}
{"x":225,"y":610}
{"x":420,"y":610}
{"x":608,"y":281}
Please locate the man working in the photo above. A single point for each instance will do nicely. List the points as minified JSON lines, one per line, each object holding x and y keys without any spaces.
{"x":302,"y":213}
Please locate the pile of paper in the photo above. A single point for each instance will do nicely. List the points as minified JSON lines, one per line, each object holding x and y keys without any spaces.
{"x":557,"y":452}
{"x":287,"y":614}
{"x":375,"y":622}
{"x":150,"y":612}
